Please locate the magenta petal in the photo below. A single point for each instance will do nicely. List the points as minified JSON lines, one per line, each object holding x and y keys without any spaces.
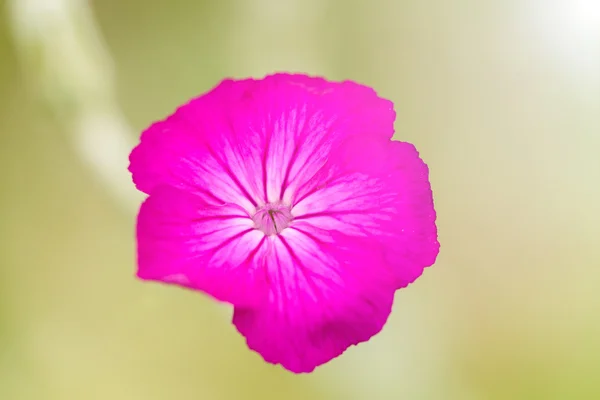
{"x":196,"y":150}
{"x":381,"y":191}
{"x":303,"y":120}
{"x":328,"y":291}
{"x":252,"y":142}
{"x":215,"y":249}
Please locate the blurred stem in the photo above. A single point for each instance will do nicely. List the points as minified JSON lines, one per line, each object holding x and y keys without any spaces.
{"x":62,"y":53}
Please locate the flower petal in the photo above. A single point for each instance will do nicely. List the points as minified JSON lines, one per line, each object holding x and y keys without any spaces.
{"x":378,"y":189}
{"x":252,"y":142}
{"x":301,"y":119}
{"x":196,"y":149}
{"x":328,"y":291}
{"x":215,"y":249}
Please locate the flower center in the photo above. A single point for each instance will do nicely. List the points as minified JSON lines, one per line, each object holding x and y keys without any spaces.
{"x":272,"y":218}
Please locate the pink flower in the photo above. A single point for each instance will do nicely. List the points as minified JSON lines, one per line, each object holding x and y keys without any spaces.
{"x":287,"y":198}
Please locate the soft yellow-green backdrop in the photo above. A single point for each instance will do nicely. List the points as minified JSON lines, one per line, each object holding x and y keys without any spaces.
{"x":502,"y":98}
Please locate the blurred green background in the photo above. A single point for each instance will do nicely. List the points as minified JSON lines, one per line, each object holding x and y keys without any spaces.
{"x":502,"y":98}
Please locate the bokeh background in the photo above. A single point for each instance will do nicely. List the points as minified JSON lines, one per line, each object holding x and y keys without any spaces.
{"x":502,"y":98}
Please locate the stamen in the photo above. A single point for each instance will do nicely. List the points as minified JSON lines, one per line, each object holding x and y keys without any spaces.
{"x":272,"y":219}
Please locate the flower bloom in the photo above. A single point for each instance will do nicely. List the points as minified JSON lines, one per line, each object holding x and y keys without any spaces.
{"x":287,"y":198}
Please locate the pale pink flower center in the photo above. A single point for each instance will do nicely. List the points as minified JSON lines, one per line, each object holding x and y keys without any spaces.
{"x":272,"y":218}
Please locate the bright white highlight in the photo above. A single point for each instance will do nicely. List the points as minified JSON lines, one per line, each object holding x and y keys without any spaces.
{"x":569,"y":31}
